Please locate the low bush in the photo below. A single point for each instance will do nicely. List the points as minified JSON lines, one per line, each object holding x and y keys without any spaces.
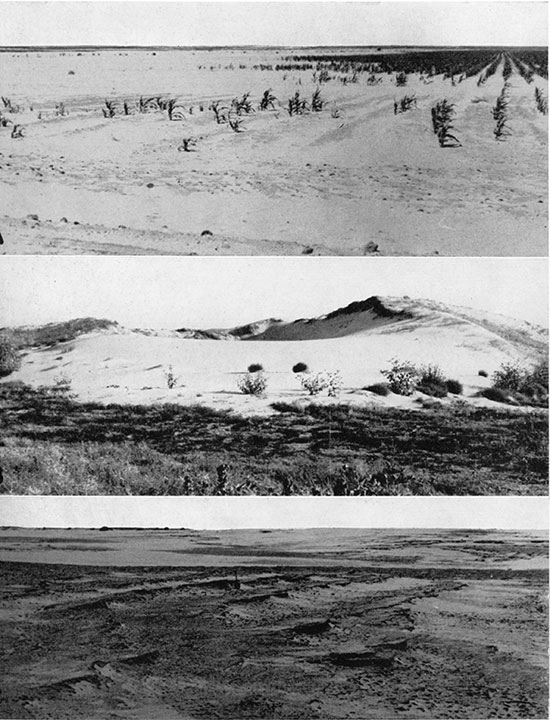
{"x":454,"y":387}
{"x":508,"y":377}
{"x":431,"y":381}
{"x":402,"y":377}
{"x":379,"y":389}
{"x":10,"y":360}
{"x":496,"y":394}
{"x":317,"y":382}
{"x":255,"y":367}
{"x":253,"y":383}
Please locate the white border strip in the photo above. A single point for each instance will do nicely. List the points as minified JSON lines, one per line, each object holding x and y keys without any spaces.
{"x":221,"y":513}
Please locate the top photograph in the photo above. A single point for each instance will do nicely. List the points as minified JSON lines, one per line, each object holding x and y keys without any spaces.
{"x":266,"y":128}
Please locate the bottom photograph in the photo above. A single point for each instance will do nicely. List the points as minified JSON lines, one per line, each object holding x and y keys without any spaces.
{"x":273,"y":623}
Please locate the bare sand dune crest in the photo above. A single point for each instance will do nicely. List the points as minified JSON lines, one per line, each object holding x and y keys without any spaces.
{"x":115,"y":364}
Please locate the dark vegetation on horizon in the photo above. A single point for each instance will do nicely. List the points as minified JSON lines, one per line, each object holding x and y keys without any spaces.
{"x":54,"y":445}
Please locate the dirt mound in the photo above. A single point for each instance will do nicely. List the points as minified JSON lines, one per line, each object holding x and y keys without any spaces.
{"x":58,"y":332}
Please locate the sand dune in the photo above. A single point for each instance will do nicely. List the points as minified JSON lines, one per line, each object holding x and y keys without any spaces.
{"x":115,"y":364}
{"x":326,"y":183}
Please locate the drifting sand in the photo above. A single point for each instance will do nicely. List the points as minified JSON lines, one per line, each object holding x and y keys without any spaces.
{"x":328,"y":185}
{"x":313,"y":625}
{"x":118,"y":365}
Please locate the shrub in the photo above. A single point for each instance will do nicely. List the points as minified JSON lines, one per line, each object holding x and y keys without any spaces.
{"x":9,"y":357}
{"x":402,"y":377}
{"x":316,"y":383}
{"x":431,"y":381}
{"x":255,"y":367}
{"x":434,"y":389}
{"x":509,"y":377}
{"x":253,"y":383}
{"x":454,"y":387}
{"x":496,"y":394}
{"x":379,"y":389}
{"x":299,"y":368}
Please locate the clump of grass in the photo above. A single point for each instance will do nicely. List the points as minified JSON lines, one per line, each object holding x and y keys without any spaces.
{"x":253,"y":383}
{"x":381,"y":389}
{"x":431,"y":381}
{"x":496,"y":394}
{"x":300,"y":367}
{"x":454,"y":387}
{"x":255,"y":367}
{"x":10,"y":360}
{"x":443,"y":113}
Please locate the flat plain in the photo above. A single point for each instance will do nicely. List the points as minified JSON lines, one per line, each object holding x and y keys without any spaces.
{"x":285,"y":151}
{"x":312,"y":624}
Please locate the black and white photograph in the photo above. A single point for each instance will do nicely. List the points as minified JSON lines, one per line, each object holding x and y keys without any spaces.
{"x":267,"y":128}
{"x":278,"y":622}
{"x":274,"y":317}
{"x":274,"y":376}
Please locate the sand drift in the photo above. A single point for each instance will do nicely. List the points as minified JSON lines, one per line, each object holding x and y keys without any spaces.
{"x":100,"y":167}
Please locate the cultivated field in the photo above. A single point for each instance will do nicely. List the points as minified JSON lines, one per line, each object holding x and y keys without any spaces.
{"x":285,"y":151}
{"x":273,"y":624}
{"x":385,"y":396}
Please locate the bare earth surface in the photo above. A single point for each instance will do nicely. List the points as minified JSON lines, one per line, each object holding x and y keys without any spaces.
{"x":273,"y":624}
{"x":327,"y":183}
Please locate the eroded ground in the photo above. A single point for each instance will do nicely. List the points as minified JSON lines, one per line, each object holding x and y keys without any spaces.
{"x":357,"y":624}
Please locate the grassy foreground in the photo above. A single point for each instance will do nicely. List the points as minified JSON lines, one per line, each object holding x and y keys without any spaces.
{"x":51,"y":444}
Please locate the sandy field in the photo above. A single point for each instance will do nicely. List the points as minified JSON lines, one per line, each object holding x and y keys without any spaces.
{"x":273,"y":624}
{"x":118,"y":365}
{"x":352,"y":179}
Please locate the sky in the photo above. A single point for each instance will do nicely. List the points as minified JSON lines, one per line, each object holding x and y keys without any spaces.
{"x":202,"y":292}
{"x":273,"y":23}
{"x":219,"y":513}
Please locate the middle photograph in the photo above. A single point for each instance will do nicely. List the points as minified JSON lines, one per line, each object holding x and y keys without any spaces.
{"x":273,"y":376}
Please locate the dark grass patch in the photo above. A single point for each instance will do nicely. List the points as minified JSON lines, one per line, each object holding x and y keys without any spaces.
{"x":297,"y":451}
